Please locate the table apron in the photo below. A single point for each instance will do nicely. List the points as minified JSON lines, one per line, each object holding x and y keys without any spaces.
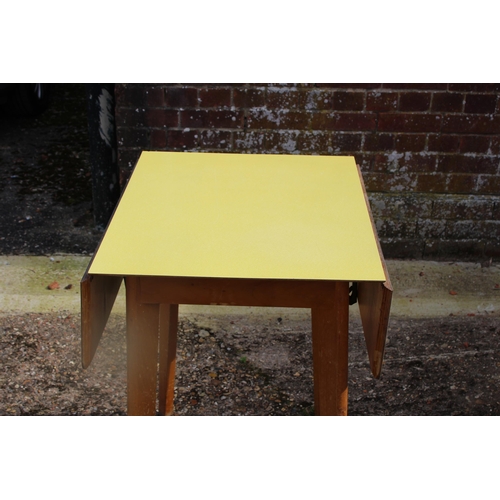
{"x":236,"y":292}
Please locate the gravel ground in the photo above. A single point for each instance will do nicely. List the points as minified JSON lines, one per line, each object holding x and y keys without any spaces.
{"x":432,"y":367}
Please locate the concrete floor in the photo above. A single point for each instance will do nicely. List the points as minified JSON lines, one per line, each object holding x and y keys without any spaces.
{"x":422,"y":289}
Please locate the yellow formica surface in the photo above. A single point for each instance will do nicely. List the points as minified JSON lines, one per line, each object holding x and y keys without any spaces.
{"x":242,"y":216}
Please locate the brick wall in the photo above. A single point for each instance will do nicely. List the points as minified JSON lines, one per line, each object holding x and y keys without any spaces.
{"x":430,"y":153}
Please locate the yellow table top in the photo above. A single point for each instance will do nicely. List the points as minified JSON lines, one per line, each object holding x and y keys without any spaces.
{"x":242,"y":216}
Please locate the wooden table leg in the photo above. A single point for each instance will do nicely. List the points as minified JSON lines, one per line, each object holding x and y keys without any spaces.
{"x":168,"y":345}
{"x":142,"y":351}
{"x":330,"y":328}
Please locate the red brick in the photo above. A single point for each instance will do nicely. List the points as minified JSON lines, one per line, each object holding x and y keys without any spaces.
{"x":381,"y":163}
{"x":132,"y":137}
{"x":431,"y":183}
{"x":130,"y":117}
{"x":393,"y":228}
{"x":349,"y":85}
{"x":181,"y":97}
{"x":319,"y":100}
{"x":402,"y":205}
{"x":214,"y":98}
{"x":492,"y":250}
{"x":124,"y":172}
{"x":488,"y":184}
{"x":374,"y":182}
{"x":461,"y":183}
{"x":466,"y":230}
{"x":126,"y":162}
{"x":343,"y":121}
{"x":414,"y":101}
{"x":313,"y":142}
{"x":385,"y":182}
{"x":416,"y":86}
{"x":356,"y":121}
{"x":495,"y":145}
{"x":213,"y":85}
{"x":205,"y":118}
{"x":469,"y":229}
{"x":155,"y":97}
{"x":158,"y":139}
{"x":419,"y":162}
{"x":447,"y":102}
{"x":282,"y":142}
{"x":282,"y":86}
{"x":381,"y":101}
{"x":130,"y":94}
{"x":249,"y":141}
{"x":259,"y":85}
{"x":409,"y":122}
{"x":284,"y":98}
{"x":474,"y":87}
{"x":364,"y":160}
{"x":378,"y":142}
{"x":180,"y":140}
{"x":443,"y":143}
{"x":157,"y":117}
{"x":249,"y":97}
{"x":474,"y":144}
{"x":263,"y":118}
{"x":461,"y":208}
{"x":348,"y":101}
{"x":404,"y":162}
{"x":214,"y":140}
{"x":462,"y":124}
{"x":467,"y":164}
{"x":346,"y":142}
{"x":119,"y":94}
{"x":480,"y":103}
{"x":494,"y":204}
{"x":492,"y":229}
{"x":297,"y":120}
{"x":431,"y":228}
{"x":410,"y":142}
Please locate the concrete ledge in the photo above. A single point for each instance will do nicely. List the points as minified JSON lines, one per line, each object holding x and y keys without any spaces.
{"x":421,"y":289}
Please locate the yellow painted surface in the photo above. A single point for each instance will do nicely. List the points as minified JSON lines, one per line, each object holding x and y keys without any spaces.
{"x":242,"y":216}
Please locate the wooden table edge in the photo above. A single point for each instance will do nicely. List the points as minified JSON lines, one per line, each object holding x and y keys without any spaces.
{"x":374,"y":299}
